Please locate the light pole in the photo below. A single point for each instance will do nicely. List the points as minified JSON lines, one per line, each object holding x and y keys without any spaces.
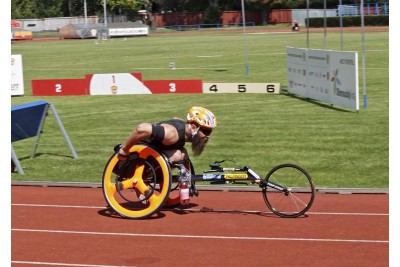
{"x":105,"y":13}
{"x":85,"y":10}
{"x":246,"y":54}
{"x":308,"y":22}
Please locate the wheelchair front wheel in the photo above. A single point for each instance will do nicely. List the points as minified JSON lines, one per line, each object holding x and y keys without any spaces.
{"x":288,"y":190}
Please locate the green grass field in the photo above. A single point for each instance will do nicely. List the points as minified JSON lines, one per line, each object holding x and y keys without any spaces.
{"x":338,"y":147}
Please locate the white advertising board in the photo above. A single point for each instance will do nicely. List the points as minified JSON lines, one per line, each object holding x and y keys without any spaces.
{"x":17,"y":76}
{"x":296,"y":70}
{"x":344,"y":80}
{"x":318,"y":75}
{"x":325,"y":75}
{"x":116,"y":84}
{"x":128,"y":31}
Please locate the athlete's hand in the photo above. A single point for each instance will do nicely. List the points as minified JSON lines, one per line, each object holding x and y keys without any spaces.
{"x":122,"y":156}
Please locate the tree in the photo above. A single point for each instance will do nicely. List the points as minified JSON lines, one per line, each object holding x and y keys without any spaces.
{"x":76,"y":7}
{"x":118,"y":7}
{"x":179,"y":5}
{"x":265,"y":6}
{"x":21,"y":9}
{"x":212,"y":14}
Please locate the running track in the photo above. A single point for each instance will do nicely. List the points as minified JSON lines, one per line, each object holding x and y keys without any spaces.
{"x":69,"y":226}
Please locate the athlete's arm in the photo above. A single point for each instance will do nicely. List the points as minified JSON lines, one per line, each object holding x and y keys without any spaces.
{"x":141,"y":132}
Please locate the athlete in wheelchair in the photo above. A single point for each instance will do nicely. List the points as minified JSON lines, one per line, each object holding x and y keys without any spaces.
{"x":169,"y":138}
{"x":152,"y":170}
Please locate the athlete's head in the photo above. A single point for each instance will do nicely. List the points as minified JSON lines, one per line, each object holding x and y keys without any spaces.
{"x":203,"y":122}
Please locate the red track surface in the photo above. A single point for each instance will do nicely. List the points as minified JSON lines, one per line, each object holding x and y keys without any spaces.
{"x":71,"y":227}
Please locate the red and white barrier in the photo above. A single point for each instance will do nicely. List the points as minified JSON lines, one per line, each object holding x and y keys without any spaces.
{"x":175,"y":86}
{"x":132,"y":83}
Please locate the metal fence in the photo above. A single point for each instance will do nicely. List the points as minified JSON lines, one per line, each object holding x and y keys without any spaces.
{"x":369,"y":9}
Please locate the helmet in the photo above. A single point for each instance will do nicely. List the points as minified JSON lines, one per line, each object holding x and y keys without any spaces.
{"x":203,"y":117}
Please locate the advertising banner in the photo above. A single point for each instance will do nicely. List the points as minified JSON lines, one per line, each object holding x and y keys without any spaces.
{"x":344,"y":79}
{"x":318,"y":73}
{"x":325,"y":75}
{"x":116,"y":84}
{"x":17,"y":76}
{"x":297,"y":70}
{"x":128,"y":32}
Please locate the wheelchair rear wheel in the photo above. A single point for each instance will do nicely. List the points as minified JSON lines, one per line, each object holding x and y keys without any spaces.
{"x":146,"y":187}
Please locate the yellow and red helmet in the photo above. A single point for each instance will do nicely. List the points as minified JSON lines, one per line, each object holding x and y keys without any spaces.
{"x":203,"y":117}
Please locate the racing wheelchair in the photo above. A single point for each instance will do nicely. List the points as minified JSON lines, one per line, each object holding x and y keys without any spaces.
{"x":146,"y":182}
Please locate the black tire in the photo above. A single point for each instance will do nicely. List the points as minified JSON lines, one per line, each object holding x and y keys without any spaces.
{"x":288,"y":190}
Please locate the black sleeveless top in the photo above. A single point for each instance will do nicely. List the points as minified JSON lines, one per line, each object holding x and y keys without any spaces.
{"x":180,"y":127}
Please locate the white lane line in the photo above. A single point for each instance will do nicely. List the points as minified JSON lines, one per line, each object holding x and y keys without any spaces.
{"x":203,"y":236}
{"x":262,"y":33}
{"x":204,"y":210}
{"x":188,"y":68}
{"x":269,"y":212}
{"x":211,"y":56}
{"x":65,"y":264}
{"x":59,"y":206}
{"x":349,"y":213}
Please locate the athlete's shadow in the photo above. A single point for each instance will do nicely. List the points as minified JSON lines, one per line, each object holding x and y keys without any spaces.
{"x":187,"y":210}
{"x":190,"y":209}
{"x":108,"y":212}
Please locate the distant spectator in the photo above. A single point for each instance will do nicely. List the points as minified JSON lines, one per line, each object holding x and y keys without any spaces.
{"x":295,"y":26}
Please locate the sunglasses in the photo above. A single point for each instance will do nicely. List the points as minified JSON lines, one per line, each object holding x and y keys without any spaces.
{"x":205,"y":131}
